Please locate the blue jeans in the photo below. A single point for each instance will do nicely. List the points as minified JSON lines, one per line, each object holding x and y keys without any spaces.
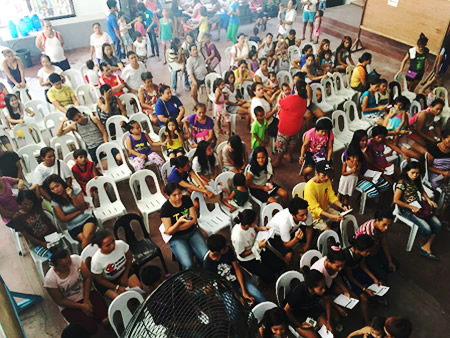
{"x":253,"y":291}
{"x":379,"y":264}
{"x":153,"y":42}
{"x":175,"y":80}
{"x":187,"y":245}
{"x":118,"y":49}
{"x":427,"y":227}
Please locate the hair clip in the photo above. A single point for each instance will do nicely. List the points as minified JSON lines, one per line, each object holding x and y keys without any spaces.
{"x":335,"y":248}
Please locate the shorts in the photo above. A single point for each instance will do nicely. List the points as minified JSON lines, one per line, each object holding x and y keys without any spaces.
{"x":199,"y":82}
{"x":262,"y":195}
{"x":5,"y":140}
{"x":93,"y":153}
{"x":308,"y":16}
{"x":126,"y":39}
{"x":308,"y":161}
{"x":277,"y":243}
{"x":283,"y":141}
{"x":321,"y":223}
{"x":223,"y":114}
{"x":79,"y":229}
{"x":175,"y":151}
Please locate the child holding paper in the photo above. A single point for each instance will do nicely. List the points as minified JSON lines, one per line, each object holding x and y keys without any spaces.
{"x":251,"y":253}
{"x":239,"y":196}
{"x":374,"y":330}
{"x":376,"y":156}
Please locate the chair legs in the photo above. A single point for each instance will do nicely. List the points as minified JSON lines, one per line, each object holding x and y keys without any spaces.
{"x":17,"y":242}
{"x":362,"y":204}
{"x":412,"y":237}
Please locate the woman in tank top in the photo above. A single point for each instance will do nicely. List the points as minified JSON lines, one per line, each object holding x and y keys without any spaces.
{"x":13,"y":68}
{"x":51,"y":43}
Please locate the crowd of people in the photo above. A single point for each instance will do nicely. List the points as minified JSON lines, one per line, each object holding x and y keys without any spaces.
{"x":283,"y":122}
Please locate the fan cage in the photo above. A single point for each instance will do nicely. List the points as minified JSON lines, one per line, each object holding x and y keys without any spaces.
{"x":193,"y":303}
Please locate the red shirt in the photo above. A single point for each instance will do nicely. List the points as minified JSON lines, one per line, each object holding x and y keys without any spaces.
{"x":292,"y":109}
{"x":113,"y":81}
{"x":83,"y":177}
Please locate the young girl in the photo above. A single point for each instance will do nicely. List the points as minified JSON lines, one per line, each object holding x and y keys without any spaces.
{"x":317,"y":146}
{"x":274,"y":324}
{"x":205,"y":163}
{"x":138,"y":145}
{"x":219,"y":105}
{"x":253,"y":255}
{"x":234,"y":155}
{"x":374,"y":330}
{"x":418,"y":64}
{"x":375,"y":150}
{"x":396,"y":121}
{"x":253,"y":63}
{"x":124,"y":34}
{"x":139,"y":26}
{"x":343,"y":54}
{"x":175,"y":138}
{"x":166,"y":31}
{"x":318,"y":25}
{"x":259,"y":178}
{"x":234,"y":104}
{"x":312,"y":71}
{"x":15,"y":111}
{"x":239,"y":197}
{"x":416,"y":206}
{"x":69,"y":206}
{"x":350,"y":175}
{"x":327,"y":62}
{"x":273,"y":83}
{"x":140,"y":47}
{"x":372,"y":111}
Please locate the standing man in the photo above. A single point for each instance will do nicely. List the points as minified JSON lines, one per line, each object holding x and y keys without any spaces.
{"x":196,"y":69}
{"x":51,"y":43}
{"x":113,"y":28}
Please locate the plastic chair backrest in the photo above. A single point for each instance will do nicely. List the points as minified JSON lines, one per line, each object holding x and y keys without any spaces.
{"x":86,"y":110}
{"x":53,"y":120}
{"x":28,"y":154}
{"x":269,"y":211}
{"x":328,"y":88}
{"x":339,"y":83}
{"x":209,"y":81}
{"x":190,"y":154}
{"x":293,"y":53}
{"x":351,"y":111}
{"x":25,"y":128}
{"x":401,"y":79}
{"x":252,"y":44}
{"x":260,"y":309}
{"x":89,"y":251}
{"x":120,"y":304}
{"x":145,"y":123}
{"x":225,"y":180}
{"x":314,"y":88}
{"x":395,"y":90}
{"x":69,"y":160}
{"x":203,"y":208}
{"x":86,"y":94}
{"x":414,"y":108}
{"x":131,"y":108}
{"x":299,"y":190}
{"x":441,"y":91}
{"x":309,"y":258}
{"x":336,"y":116}
{"x":219,"y":150}
{"x":39,"y":108}
{"x":63,"y":143}
{"x":100,"y":183}
{"x":116,"y":121}
{"x":166,"y":169}
{"x":348,"y":72}
{"x":227,"y":54}
{"x":23,"y":92}
{"x":284,"y":76}
{"x":107,"y":149}
{"x":322,"y":241}
{"x":283,"y":285}
{"x":346,"y":235}
{"x":138,"y":179}
{"x":124,"y":222}
{"x":426,"y":177}
{"x":74,"y":77}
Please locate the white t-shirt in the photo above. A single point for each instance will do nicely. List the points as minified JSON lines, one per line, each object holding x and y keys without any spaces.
{"x":72,"y":287}
{"x":239,"y":53}
{"x":320,"y":266}
{"x":112,"y":265}
{"x":312,"y":7}
{"x":98,"y":43}
{"x":260,"y":102}
{"x":290,"y":17}
{"x":141,"y":47}
{"x":44,"y":75}
{"x":283,"y":224}
{"x":42,"y":172}
{"x":133,"y":76}
{"x":198,"y":169}
{"x":264,"y":176}
{"x":92,"y":77}
{"x":262,"y":76}
{"x":243,"y":240}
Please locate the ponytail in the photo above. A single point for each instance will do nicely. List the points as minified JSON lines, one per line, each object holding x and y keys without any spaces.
{"x":246,"y":217}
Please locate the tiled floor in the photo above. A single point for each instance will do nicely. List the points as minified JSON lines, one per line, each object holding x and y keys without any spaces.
{"x":419,"y":290}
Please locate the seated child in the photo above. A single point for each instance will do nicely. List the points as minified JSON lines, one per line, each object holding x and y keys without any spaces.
{"x":376,"y":155}
{"x":272,"y":82}
{"x":327,"y":62}
{"x":253,"y":63}
{"x":175,"y":138}
{"x":239,"y":196}
{"x":83,"y":170}
{"x":350,"y":175}
{"x":285,"y":91}
{"x":290,"y":40}
{"x":397,"y":121}
{"x":255,"y":37}
{"x":140,"y":47}
{"x":375,"y":329}
{"x":383,"y":94}
{"x":91,"y":75}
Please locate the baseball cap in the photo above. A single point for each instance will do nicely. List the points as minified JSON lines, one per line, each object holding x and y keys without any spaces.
{"x":324,"y":167}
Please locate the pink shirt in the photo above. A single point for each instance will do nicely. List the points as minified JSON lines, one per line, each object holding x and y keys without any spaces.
{"x":320,"y":266}
{"x":139,"y":27}
{"x":377,"y":152}
{"x":7,"y":200}
{"x":317,"y":142}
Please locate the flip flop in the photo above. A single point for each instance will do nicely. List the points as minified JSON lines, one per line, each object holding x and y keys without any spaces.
{"x":428,"y":255}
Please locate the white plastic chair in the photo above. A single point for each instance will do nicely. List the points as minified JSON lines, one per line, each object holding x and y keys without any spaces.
{"x":344,"y":224}
{"x":260,"y":309}
{"x":27,"y":130}
{"x":190,"y":154}
{"x":64,"y":144}
{"x":107,"y":209}
{"x":227,"y":56}
{"x":40,"y":110}
{"x":414,"y":228}
{"x":52,"y":121}
{"x":329,"y":93}
{"x":326,"y":108}
{"x":225,"y":181}
{"x":120,"y":304}
{"x":309,"y":258}
{"x":28,"y":155}
{"x":166,"y":169}
{"x":268,"y":212}
{"x":401,"y":78}
{"x":348,"y":74}
{"x":426,"y":182}
{"x":116,"y":172}
{"x":131,"y":108}
{"x":209,"y":82}
{"x":354,"y":117}
{"x":299,"y":190}
{"x":219,"y":150}
{"x":23,"y":93}
{"x":342,"y":135}
{"x":146,"y":125}
{"x":39,"y":262}
{"x":283,"y":285}
{"x":293,"y":53}
{"x":87,"y":96}
{"x":62,"y":228}
{"x":148,"y":202}
{"x":340,"y":86}
{"x":116,"y":121}
{"x":210,"y":221}
{"x":414,"y":108}
{"x":322,"y":241}
{"x":284,"y":76}
{"x":17,"y":242}
{"x":74,"y":77}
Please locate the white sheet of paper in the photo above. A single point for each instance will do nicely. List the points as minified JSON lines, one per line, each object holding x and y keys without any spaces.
{"x":416,"y":204}
{"x":346,"y":302}
{"x":393,"y":3}
{"x":379,"y":290}
{"x":263,"y":235}
{"x":53,"y":237}
{"x":166,"y":238}
{"x":136,"y":288}
{"x":346,"y":212}
{"x":372,"y":173}
{"x":389,"y":170}
{"x":324,"y":333}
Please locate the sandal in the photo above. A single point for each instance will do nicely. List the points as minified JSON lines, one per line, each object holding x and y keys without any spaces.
{"x":428,"y":255}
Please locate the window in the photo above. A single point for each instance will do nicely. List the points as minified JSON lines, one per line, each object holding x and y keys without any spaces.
{"x":46,"y":9}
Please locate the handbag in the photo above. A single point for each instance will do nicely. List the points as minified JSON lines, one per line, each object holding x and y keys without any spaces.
{"x":425,"y":212}
{"x":410,"y":74}
{"x":200,"y":136}
{"x":272,"y":129}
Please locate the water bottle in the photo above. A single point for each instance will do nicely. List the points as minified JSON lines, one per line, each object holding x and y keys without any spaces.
{"x":36,"y":22}
{"x":23,"y":28}
{"x":13,"y":29}
{"x":29,"y":23}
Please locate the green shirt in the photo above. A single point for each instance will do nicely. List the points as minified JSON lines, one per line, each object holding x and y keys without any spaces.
{"x":260,"y":131}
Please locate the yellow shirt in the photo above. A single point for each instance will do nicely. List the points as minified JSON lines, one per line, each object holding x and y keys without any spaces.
{"x":318,"y":196}
{"x":358,"y":74}
{"x":240,"y":81}
{"x":203,"y":24}
{"x":63,"y":95}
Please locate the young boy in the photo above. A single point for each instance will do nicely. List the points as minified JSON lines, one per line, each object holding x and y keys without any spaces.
{"x":140,"y":47}
{"x":383,"y":97}
{"x":222,"y":261}
{"x":319,"y":194}
{"x":255,"y":37}
{"x":290,"y":40}
{"x":83,"y":170}
{"x":91,"y":75}
{"x":259,"y":128}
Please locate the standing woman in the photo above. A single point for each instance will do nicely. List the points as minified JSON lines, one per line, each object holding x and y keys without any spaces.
{"x":51,"y":43}
{"x":234,"y":22}
{"x":97,"y":40}
{"x":44,"y":73}
{"x":13,"y":67}
{"x":70,"y":207}
{"x":358,"y":80}
{"x":179,"y":218}
{"x":417,"y":57}
{"x":289,"y":19}
{"x":148,"y":96}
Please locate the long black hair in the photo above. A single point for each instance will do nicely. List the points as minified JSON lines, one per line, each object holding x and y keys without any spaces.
{"x":237,"y":155}
{"x":246,"y":217}
{"x":412,"y":164}
{"x":54,"y":178}
{"x":29,"y":195}
{"x":206,"y":162}
{"x":273,"y":317}
{"x":354,"y":143}
{"x":255,"y":168}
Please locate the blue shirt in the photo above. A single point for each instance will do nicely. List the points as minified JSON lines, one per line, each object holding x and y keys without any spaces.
{"x":372,"y":103}
{"x":176,"y":177}
{"x":111,"y":23}
{"x":148,"y":18}
{"x":70,"y":208}
{"x":234,"y":19}
{"x":168,"y":109}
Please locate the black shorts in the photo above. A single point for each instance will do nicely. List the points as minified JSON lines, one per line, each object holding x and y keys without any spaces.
{"x":262,"y":195}
{"x":79,"y":229}
{"x":308,"y":160}
{"x":5,"y":140}
{"x":93,"y":153}
{"x":175,"y":151}
{"x":278,"y":244}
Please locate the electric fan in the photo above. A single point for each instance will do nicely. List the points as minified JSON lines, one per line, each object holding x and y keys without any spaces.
{"x":194,"y":303}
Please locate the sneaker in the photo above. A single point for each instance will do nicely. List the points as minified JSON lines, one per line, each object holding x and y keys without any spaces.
{"x":339,"y":328}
